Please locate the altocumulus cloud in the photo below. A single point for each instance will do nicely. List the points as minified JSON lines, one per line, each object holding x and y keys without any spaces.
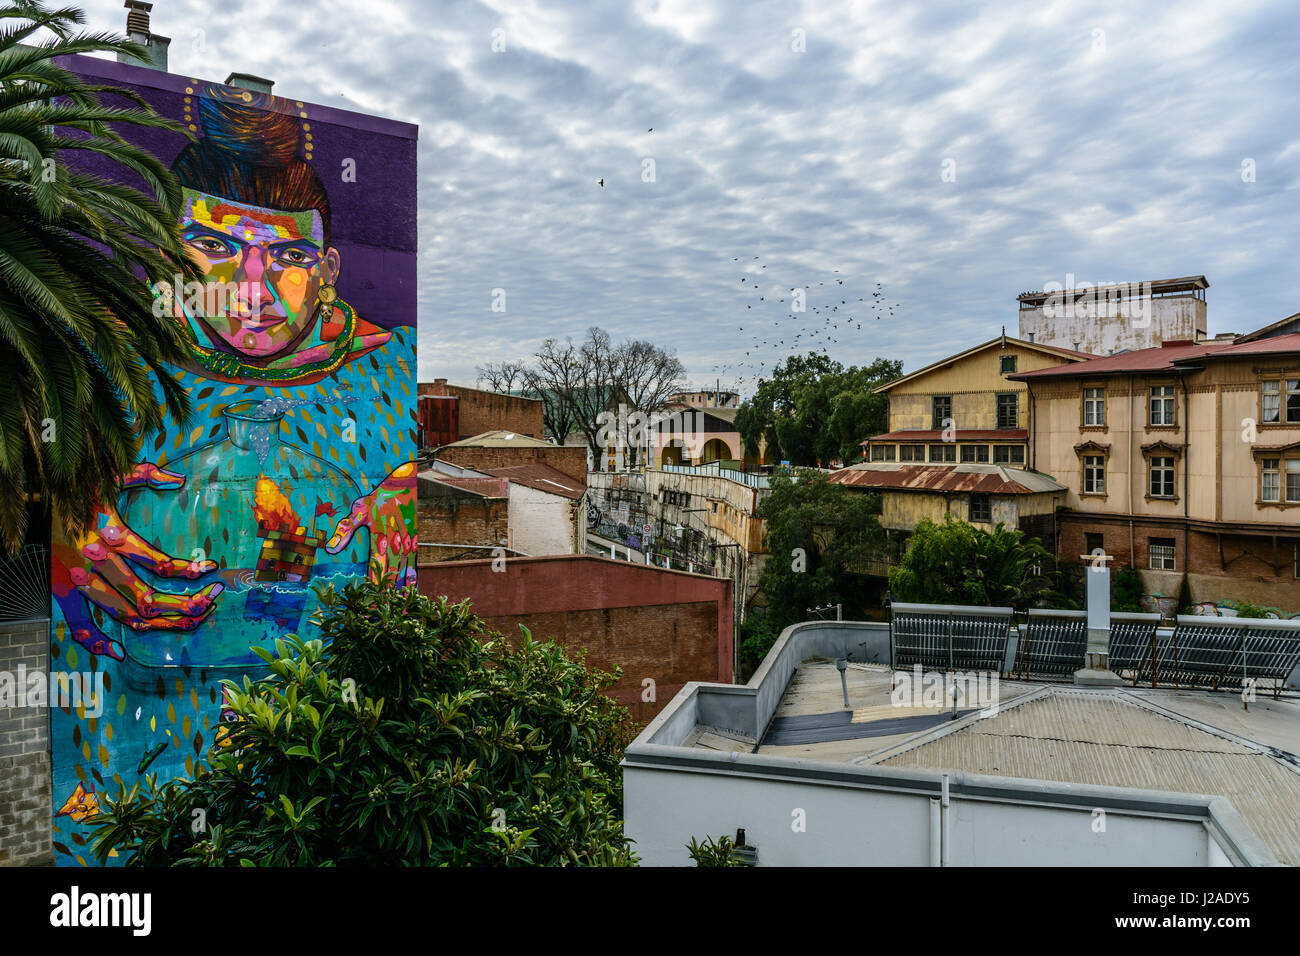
{"x":1105,"y":141}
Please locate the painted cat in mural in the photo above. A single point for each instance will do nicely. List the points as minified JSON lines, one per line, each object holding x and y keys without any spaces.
{"x":257,"y":221}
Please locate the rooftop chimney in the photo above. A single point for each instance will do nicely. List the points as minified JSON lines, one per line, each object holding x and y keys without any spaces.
{"x":137,"y":31}
{"x":247,"y":81}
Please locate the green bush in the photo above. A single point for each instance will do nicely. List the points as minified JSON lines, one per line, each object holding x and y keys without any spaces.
{"x":756,"y":639}
{"x":709,"y":853}
{"x":1126,"y":590}
{"x":1247,"y":609}
{"x":415,"y":736}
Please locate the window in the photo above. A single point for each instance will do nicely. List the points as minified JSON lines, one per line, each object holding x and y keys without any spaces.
{"x":1293,"y":479}
{"x":1162,"y":405}
{"x":1162,"y":554}
{"x":941,"y":405}
{"x":882,"y":452}
{"x":1094,"y":407}
{"x":1094,"y":542}
{"x":1269,"y":489}
{"x":1094,"y":475}
{"x":1271,"y":402}
{"x":975,"y":453}
{"x":1008,"y":410}
{"x":911,"y":453}
{"x":945,"y":453}
{"x":1162,"y":477}
{"x":980,"y":508}
{"x":1008,"y":364}
{"x":1008,"y":454}
{"x":1271,"y":405}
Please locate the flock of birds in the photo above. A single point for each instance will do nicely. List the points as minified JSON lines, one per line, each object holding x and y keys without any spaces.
{"x":832,"y":313}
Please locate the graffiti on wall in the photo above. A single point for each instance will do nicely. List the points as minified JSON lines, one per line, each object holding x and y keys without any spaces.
{"x":295,"y":467}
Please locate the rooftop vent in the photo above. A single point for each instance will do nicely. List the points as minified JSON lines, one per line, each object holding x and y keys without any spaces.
{"x":137,"y":31}
{"x":247,"y":81}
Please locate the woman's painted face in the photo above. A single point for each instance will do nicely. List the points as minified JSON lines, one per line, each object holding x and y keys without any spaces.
{"x":264,"y":268}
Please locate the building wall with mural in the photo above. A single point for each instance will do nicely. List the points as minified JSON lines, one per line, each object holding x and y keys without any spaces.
{"x":295,"y":467}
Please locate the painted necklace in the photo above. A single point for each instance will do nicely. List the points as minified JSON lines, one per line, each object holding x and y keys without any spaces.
{"x":232,"y":366}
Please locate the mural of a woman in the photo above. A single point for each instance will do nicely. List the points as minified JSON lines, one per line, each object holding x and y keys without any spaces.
{"x":294,"y":468}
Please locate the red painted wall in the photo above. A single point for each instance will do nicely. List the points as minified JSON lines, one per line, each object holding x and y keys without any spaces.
{"x":670,"y":625}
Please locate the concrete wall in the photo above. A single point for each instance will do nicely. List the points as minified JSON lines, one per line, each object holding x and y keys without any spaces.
{"x":1104,"y":328}
{"x":668,"y":626}
{"x":542,"y":523}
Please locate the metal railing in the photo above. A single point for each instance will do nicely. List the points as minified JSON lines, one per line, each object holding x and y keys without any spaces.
{"x":1194,"y":651}
{"x":939,"y":636}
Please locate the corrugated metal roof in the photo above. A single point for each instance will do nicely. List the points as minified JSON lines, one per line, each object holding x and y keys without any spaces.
{"x":1166,"y":357}
{"x":1112,"y":740}
{"x":498,"y":438}
{"x":946,"y":479}
{"x":542,"y":478}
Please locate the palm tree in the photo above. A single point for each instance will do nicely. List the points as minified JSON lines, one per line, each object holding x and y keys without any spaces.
{"x":81,"y":345}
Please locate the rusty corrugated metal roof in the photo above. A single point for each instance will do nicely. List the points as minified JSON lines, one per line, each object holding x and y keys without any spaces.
{"x":542,"y":478}
{"x":946,"y":479}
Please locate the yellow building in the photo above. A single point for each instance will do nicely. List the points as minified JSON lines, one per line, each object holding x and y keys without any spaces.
{"x":965,"y":409}
{"x":1180,"y":460}
{"x":958,"y":444}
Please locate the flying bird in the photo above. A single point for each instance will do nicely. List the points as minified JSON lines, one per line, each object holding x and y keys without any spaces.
{"x":601,"y":183}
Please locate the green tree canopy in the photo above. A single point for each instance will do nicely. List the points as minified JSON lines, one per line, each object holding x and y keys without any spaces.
{"x":813,"y":409}
{"x":819,"y":537}
{"x":959,"y":563}
{"x":455,"y":748}
{"x":79,"y":252}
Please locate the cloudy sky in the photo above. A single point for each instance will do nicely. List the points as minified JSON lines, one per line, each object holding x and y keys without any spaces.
{"x":954,"y":153}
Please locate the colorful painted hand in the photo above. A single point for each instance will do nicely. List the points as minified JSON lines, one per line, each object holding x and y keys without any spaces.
{"x":97,"y":568}
{"x":389,"y":513}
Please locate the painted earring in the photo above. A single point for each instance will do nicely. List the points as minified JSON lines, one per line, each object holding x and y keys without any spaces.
{"x":327,"y":295}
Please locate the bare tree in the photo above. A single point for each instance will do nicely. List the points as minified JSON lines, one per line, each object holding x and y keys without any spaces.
{"x":579,"y":383}
{"x":554,"y":379}
{"x":501,"y":376}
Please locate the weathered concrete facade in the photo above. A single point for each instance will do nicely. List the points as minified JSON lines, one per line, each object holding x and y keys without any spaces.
{"x":1107,"y":318}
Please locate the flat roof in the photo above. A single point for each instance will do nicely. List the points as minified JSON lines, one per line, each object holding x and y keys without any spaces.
{"x":1158,"y":287}
{"x":1186,"y":741}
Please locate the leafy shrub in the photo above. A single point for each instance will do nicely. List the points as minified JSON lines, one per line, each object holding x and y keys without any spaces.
{"x":454,"y":747}
{"x":710,"y":853}
{"x":1126,"y":590}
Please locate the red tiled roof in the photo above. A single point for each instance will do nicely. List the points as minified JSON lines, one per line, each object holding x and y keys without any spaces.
{"x":962,"y":434}
{"x":542,"y":478}
{"x":1165,"y":358}
{"x":948,"y":479}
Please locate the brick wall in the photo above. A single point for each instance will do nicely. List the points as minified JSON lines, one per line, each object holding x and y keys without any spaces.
{"x":669,"y":626}
{"x":570,"y":459}
{"x":482,"y":411}
{"x":665,"y":643}
{"x":469,"y":520}
{"x":25,"y":783}
{"x":1219,"y":567}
